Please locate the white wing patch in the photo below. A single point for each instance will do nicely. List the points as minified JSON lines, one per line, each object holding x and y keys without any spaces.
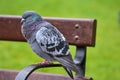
{"x":52,"y":41}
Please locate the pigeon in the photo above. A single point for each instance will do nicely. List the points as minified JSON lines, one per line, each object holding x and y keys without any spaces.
{"x":47,"y":41}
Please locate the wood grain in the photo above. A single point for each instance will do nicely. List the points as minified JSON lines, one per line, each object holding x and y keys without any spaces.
{"x":11,"y":74}
{"x":80,"y":32}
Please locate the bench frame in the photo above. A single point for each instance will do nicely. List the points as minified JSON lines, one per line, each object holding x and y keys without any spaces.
{"x":78,"y":32}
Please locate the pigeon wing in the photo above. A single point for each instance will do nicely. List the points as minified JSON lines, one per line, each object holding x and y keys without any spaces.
{"x":53,"y":42}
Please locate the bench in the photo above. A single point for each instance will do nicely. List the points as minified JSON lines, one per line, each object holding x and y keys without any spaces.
{"x":78,"y":32}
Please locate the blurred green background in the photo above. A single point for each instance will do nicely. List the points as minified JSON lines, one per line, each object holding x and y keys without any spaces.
{"x":102,"y":61}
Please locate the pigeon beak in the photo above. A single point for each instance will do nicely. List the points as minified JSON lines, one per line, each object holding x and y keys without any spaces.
{"x":22,"y":21}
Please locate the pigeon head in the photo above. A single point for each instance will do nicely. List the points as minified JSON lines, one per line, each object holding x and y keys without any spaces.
{"x":28,"y":22}
{"x":29,"y":17}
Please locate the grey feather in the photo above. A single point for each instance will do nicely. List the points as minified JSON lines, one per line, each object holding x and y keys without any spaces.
{"x":47,"y":41}
{"x":52,"y":41}
{"x":67,"y":62}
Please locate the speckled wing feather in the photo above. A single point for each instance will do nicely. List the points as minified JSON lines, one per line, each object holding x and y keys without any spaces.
{"x":53,"y":42}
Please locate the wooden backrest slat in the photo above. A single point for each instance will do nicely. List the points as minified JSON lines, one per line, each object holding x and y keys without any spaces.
{"x":80,"y":32}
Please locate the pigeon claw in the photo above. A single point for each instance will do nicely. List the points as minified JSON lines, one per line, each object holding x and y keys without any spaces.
{"x":45,"y":63}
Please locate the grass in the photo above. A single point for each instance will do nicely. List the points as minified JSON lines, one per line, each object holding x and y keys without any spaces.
{"x":102,"y":61}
